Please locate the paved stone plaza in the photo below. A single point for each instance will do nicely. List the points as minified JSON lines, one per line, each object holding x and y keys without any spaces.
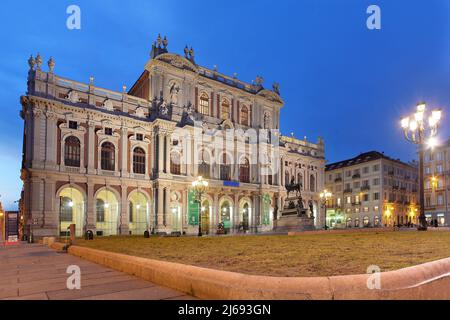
{"x":38,"y":273}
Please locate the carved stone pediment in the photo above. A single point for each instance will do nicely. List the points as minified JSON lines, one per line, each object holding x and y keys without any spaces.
{"x":270,"y":95}
{"x":177,"y":61}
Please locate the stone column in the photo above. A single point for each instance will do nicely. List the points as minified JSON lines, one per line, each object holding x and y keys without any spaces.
{"x":124,"y":151}
{"x":91,"y":147}
{"x":167,"y":211}
{"x":50,"y":212}
{"x":160,"y":209}
{"x":236,"y":212}
{"x":90,"y":207}
{"x":151,"y":160}
{"x":124,"y":217}
{"x":279,"y":205}
{"x":184,"y":210}
{"x":215,"y":212}
{"x":255,"y":212}
{"x":38,"y":148}
{"x":188,"y":156}
{"x":167,"y":150}
{"x":51,"y":144}
{"x":160,"y":152}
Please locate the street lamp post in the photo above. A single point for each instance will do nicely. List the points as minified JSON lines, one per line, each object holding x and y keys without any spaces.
{"x":422,"y":134}
{"x":199,"y":187}
{"x":324,"y":196}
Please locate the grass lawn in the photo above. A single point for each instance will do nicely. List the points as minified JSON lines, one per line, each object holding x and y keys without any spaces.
{"x":304,"y":255}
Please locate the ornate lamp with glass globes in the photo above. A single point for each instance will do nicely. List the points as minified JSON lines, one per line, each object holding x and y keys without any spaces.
{"x":324,"y":196}
{"x":421,"y":129}
{"x":200,"y":186}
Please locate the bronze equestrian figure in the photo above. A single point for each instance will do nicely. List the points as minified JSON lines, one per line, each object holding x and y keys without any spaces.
{"x":297,"y":187}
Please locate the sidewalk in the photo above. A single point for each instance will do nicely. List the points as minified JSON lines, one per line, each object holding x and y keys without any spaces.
{"x":35,"y":272}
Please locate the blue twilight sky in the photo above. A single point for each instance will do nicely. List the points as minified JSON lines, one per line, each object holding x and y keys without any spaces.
{"x":339,"y":80}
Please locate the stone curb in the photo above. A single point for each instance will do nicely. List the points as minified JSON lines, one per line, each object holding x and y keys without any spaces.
{"x":426,"y":281}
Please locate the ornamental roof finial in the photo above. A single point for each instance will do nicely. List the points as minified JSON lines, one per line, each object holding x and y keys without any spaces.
{"x":186,"y":52}
{"x":165,"y":42}
{"x":191,"y":55}
{"x":31,"y":62}
{"x":51,"y":64}
{"x":276,"y":88}
{"x":38,"y":61}
{"x":159,"y":41}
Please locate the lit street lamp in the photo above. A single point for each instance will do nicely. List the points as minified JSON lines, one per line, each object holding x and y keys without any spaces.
{"x":199,"y":187}
{"x":421,"y":133}
{"x":324,"y":196}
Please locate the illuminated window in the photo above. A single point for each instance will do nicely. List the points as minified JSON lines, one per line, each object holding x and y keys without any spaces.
{"x":100,"y":209}
{"x":72,"y":152}
{"x":139,"y":161}
{"x":108,"y":161}
{"x":204,"y":104}
{"x":66,"y":209}
{"x":226,"y":114}
{"x":244,"y":116}
{"x":366,"y":221}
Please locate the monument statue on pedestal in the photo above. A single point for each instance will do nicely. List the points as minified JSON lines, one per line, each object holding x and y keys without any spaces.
{"x":294,"y":215}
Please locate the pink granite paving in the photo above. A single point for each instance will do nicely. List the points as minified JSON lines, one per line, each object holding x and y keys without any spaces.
{"x":35,"y":272}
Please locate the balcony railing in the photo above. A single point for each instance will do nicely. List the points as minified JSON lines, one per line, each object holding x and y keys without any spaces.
{"x":348,"y":190}
{"x":338,"y":180}
{"x":365,"y":188}
{"x":356,"y":176}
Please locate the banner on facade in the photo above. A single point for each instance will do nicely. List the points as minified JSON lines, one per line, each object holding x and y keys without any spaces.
{"x":193,"y":209}
{"x":266,"y":210}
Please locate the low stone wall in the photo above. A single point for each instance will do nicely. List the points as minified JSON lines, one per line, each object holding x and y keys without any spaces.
{"x":427,"y":281}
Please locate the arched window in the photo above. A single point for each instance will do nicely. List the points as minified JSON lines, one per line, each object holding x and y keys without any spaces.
{"x":204,"y":103}
{"x":366,"y":221}
{"x":244,"y":116}
{"x":66,"y":209}
{"x":72,"y":152}
{"x":312,"y":183}
{"x":244,"y":171}
{"x":175,"y":165}
{"x":226,"y":109}
{"x":349,"y":222}
{"x":100,"y":209}
{"x":300,"y":180}
{"x":108,"y":156}
{"x":139,"y":161}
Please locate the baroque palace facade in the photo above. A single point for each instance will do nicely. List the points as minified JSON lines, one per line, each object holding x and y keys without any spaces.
{"x":123,"y":162}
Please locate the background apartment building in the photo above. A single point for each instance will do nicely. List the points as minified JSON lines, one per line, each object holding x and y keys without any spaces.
{"x":371,"y":190}
{"x":437,"y":185}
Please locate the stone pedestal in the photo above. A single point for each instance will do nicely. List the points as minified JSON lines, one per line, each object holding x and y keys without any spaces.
{"x":294,"y":217}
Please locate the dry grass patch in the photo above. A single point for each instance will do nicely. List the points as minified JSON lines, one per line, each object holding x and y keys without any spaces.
{"x":303,"y":255}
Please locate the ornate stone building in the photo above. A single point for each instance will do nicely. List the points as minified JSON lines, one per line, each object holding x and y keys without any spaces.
{"x":123,"y":162}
